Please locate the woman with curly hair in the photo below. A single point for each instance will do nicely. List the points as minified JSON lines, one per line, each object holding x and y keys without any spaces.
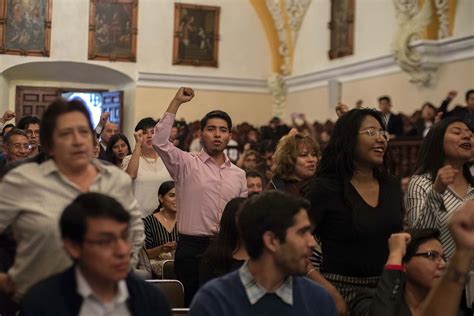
{"x":294,"y":163}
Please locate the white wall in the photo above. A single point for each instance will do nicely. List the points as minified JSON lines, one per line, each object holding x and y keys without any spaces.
{"x":243,"y":48}
{"x":464,"y":22}
{"x":375,"y":24}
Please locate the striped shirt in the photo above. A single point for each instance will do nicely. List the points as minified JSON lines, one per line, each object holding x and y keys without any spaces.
{"x":156,"y":233}
{"x":427,"y":208}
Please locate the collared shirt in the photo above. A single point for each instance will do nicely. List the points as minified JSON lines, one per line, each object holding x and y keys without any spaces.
{"x":203,"y":188}
{"x":91,"y":304}
{"x":33,"y":197}
{"x":255,"y":291}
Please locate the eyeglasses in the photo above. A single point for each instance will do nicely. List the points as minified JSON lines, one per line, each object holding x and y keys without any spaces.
{"x":432,"y":255}
{"x":30,"y":133}
{"x":372,"y":132}
{"x":110,"y":241}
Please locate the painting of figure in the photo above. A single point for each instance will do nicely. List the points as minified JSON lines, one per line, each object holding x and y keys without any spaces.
{"x":113,"y":30}
{"x":25,"y":27}
{"x":196,"y":35}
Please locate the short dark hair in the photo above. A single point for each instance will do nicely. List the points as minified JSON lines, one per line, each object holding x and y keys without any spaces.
{"x":73,"y":221}
{"x":50,"y":117}
{"x":385,"y":98}
{"x":7,"y":126}
{"x":109,"y":154}
{"x":254,"y":174}
{"x":216,"y":114}
{"x":338,"y":157}
{"x":419,"y":237}
{"x":268,"y":211}
{"x":145,"y":123}
{"x":14,"y":131}
{"x":25,"y":121}
{"x":427,"y":161}
{"x":468,"y":93}
{"x":429,"y":105}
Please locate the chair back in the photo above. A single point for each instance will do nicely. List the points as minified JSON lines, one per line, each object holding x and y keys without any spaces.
{"x":168,"y":270}
{"x":173,"y":290}
{"x":179,"y":311}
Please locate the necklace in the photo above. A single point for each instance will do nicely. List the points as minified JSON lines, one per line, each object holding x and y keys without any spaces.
{"x":151,"y":161}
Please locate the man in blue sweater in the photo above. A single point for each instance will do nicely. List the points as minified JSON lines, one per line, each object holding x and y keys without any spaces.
{"x":276,"y":232}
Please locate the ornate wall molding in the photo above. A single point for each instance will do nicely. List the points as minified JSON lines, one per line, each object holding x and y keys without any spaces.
{"x":442,"y":10}
{"x":412,"y":21}
{"x":277,"y":86}
{"x":434,"y":53}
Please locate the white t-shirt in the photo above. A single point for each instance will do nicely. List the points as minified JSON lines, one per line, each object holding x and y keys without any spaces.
{"x":151,"y":174}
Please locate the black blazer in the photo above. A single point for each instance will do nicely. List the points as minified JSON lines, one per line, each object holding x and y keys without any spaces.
{"x":395,"y":125}
{"x":57,"y":296}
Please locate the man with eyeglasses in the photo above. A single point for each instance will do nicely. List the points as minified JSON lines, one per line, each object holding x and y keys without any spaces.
{"x":95,"y":233}
{"x":16,"y":146}
{"x":31,"y":125}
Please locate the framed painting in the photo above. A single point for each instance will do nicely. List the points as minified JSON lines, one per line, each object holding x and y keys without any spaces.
{"x":25,"y":27}
{"x":113,"y":30}
{"x":342,"y":28}
{"x":196,"y":35}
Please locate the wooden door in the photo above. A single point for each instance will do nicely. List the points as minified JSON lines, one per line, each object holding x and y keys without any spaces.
{"x":34,"y":100}
{"x":113,"y":102}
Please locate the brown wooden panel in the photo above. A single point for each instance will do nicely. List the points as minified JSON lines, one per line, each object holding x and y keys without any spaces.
{"x":31,"y":97}
{"x":33,"y":100}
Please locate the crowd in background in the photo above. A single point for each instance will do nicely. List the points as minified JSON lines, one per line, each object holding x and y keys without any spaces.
{"x":188,"y":182}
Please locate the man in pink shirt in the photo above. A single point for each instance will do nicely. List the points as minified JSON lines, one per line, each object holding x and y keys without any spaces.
{"x":205,"y":182}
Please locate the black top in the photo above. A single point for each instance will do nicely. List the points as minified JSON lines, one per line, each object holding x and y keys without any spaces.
{"x":353,"y":234}
{"x":207,"y":270}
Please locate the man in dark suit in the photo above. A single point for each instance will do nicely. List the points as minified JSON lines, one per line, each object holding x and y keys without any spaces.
{"x":394,"y":122}
{"x":95,"y":232}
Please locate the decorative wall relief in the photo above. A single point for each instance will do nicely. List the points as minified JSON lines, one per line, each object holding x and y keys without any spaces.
{"x":412,"y":22}
{"x":282,"y":21}
{"x":25,"y":27}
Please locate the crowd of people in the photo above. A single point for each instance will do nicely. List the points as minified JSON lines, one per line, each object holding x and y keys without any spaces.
{"x":302,"y":219}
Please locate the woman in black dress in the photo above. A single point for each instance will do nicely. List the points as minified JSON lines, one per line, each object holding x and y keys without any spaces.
{"x":355,"y":204}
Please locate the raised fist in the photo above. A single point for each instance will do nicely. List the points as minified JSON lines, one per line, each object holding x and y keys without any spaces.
{"x":138,"y":135}
{"x":7,"y":116}
{"x":397,"y":243}
{"x":104,"y":117}
{"x":445,"y":177}
{"x":341,"y":108}
{"x":184,"y":95}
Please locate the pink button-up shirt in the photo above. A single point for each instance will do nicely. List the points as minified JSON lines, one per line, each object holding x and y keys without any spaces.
{"x":203,"y":188}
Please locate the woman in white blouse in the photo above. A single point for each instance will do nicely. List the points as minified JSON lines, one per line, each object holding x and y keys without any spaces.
{"x":145,"y":167}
